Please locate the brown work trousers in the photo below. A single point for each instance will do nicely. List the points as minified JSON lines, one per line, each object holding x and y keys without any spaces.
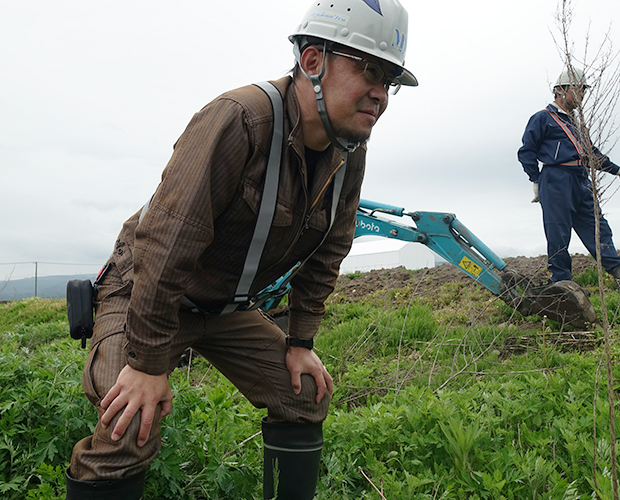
{"x":247,"y":347}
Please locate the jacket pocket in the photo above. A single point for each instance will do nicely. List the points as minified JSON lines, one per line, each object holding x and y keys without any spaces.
{"x":123,"y":260}
{"x":320,"y":218}
{"x":112,"y":285}
{"x":105,"y":361}
{"x":283,"y":216}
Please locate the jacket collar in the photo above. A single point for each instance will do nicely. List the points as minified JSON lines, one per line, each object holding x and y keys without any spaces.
{"x":554,"y":108}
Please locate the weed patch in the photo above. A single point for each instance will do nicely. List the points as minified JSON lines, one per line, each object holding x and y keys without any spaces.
{"x":426,"y":406}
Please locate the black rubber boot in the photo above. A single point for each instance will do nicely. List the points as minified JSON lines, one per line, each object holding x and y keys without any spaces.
{"x":129,"y":488}
{"x":292,"y":455}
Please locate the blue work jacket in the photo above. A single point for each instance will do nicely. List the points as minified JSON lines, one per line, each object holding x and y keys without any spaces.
{"x":545,"y":141}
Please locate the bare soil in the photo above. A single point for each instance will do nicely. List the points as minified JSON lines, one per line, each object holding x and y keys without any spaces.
{"x":426,"y":282}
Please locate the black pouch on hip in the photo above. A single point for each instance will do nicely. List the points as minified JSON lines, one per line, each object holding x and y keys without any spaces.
{"x":80,"y":309}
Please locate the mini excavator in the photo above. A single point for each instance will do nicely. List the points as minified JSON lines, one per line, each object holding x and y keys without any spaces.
{"x":445,"y":235}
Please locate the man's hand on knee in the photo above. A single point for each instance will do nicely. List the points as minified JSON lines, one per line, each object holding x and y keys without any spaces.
{"x":135,"y":390}
{"x":300,"y":360}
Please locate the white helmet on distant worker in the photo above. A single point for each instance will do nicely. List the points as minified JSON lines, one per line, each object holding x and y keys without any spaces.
{"x":376,"y":27}
{"x":574,"y":77}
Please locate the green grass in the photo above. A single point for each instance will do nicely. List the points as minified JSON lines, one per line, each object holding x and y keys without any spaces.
{"x":32,"y":312}
{"x":428,"y":404}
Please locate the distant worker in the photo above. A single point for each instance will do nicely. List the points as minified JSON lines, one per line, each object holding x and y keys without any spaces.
{"x":563,"y":187}
{"x":262,"y":182}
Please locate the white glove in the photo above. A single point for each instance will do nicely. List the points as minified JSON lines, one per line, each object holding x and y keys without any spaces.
{"x":535,"y":187}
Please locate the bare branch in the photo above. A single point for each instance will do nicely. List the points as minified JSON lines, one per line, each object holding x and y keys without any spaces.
{"x":593,"y":121}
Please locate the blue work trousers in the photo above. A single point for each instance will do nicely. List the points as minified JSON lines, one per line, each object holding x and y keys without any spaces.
{"x":567,"y":202}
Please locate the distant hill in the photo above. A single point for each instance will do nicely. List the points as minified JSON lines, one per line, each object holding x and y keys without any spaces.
{"x":48,"y":287}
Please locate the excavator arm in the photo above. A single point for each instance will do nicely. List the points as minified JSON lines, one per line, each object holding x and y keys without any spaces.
{"x":446,"y":236}
{"x":443,"y":233}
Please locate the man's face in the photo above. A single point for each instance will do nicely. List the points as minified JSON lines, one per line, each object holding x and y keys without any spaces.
{"x":353,"y":102}
{"x":574,"y":96}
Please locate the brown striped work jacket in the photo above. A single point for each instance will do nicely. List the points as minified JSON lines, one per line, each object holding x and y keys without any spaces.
{"x":194,"y":238}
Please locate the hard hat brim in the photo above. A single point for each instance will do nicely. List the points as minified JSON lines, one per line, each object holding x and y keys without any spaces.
{"x":408,"y":79}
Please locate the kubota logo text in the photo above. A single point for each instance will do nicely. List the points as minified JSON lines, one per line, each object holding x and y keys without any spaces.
{"x":365,"y":226}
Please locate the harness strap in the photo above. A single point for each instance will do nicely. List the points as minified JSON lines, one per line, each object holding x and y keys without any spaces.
{"x":242,"y":299}
{"x":270,"y":193}
{"x":282,"y":285}
{"x":575,"y":163}
{"x":145,"y":209}
{"x":568,"y":132}
{"x":268,"y":201}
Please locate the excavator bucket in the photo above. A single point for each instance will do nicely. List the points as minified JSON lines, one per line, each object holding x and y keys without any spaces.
{"x":564,"y":301}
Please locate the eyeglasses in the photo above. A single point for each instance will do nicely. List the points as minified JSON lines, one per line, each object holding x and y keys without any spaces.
{"x":575,"y":88}
{"x":374,"y":73}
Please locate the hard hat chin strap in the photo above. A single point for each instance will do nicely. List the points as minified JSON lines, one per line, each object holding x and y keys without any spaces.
{"x":340,"y":143}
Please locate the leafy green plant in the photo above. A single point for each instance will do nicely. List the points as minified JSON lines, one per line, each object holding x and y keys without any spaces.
{"x":588,"y":277}
{"x":461,"y":438}
{"x":427,"y":406}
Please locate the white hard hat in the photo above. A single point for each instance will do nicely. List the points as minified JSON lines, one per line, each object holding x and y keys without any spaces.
{"x":572,"y":77}
{"x":376,"y":27}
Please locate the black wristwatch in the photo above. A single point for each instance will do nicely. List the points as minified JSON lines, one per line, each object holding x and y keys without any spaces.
{"x":295,"y":342}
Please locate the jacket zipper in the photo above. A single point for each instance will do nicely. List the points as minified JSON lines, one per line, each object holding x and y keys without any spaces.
{"x":306,"y":219}
{"x":325,"y":186}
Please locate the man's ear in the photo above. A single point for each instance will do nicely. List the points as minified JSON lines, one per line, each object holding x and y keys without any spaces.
{"x":311,"y":60}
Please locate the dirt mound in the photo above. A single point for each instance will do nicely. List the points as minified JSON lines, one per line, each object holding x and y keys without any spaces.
{"x":425,"y":282}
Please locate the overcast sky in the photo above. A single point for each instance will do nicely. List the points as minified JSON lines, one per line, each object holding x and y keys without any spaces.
{"x":94,"y":94}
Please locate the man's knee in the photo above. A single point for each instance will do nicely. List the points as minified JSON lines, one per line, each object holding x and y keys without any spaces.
{"x":302,"y":408}
{"x":100,"y":457}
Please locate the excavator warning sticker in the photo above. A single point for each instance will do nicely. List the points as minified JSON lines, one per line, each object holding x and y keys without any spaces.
{"x":470,"y":266}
